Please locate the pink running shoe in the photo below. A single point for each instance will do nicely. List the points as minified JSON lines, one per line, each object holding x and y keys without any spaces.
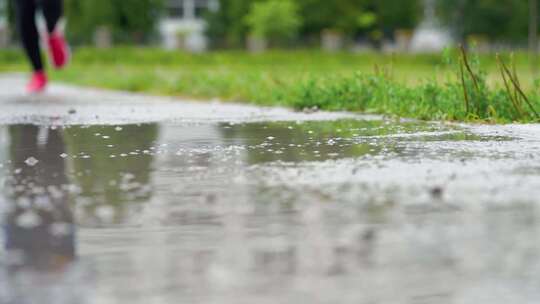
{"x":58,"y":50}
{"x":37,"y":83}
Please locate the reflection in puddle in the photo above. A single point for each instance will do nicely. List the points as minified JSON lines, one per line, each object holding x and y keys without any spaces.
{"x":188,"y":213}
{"x":40,"y":237}
{"x":39,"y":226}
{"x":111,"y":167}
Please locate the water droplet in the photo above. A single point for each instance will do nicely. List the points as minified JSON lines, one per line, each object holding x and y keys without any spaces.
{"x":28,"y":220}
{"x":60,"y":229}
{"x":24,"y":202}
{"x":105,"y":213}
{"x":31,"y":161}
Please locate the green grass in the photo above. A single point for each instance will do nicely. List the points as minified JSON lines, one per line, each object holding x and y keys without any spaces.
{"x":429,"y":87}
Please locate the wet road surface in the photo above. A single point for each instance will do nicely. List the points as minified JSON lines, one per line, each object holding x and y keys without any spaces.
{"x":117,"y":198}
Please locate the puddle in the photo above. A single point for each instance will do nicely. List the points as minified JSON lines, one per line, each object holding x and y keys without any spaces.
{"x":345,"y":211}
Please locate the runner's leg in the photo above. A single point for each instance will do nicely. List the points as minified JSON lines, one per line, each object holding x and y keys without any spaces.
{"x":53,"y":11}
{"x":26,"y":17}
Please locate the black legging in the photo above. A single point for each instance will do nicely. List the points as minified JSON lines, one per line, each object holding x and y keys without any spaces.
{"x":26,"y":13}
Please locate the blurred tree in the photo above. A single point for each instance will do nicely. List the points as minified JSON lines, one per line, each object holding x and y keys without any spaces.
{"x":351,"y":17}
{"x":339,"y":15}
{"x":274,"y":20}
{"x":533,"y":35}
{"x":505,"y":20}
{"x":226,"y":26}
{"x":137,"y":18}
{"x":129,"y":21}
{"x":134,"y":20}
{"x":86,"y":16}
{"x":406,"y":15}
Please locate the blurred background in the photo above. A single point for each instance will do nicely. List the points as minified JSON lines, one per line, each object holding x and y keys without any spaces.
{"x":256,"y":25}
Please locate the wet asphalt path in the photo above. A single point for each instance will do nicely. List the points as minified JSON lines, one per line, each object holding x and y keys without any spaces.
{"x":119,"y":198}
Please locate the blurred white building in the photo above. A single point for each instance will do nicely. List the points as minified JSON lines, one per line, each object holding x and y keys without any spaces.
{"x":184,"y":26}
{"x":430,"y":36}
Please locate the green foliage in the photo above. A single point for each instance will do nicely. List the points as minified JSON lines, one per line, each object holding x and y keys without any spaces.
{"x":391,"y":17}
{"x":464,"y":97}
{"x":350,"y":17}
{"x":137,"y":18}
{"x":494,"y":19}
{"x":276,"y":20}
{"x":340,"y":15}
{"x":336,"y":82}
{"x":226,"y":26}
{"x":421,"y":86}
{"x":85,"y":17}
{"x":129,"y":21}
